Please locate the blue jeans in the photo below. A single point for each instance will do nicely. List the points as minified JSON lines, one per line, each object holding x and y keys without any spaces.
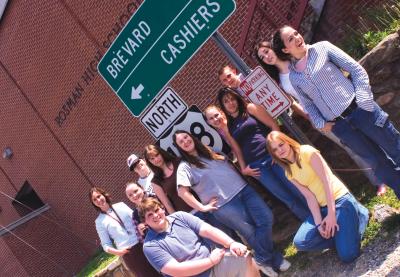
{"x":210,"y":219}
{"x":248,"y":214}
{"x":273,"y":178}
{"x":367,"y":133}
{"x":352,"y":219}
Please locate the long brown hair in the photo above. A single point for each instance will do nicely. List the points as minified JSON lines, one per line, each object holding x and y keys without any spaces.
{"x":276,"y":135}
{"x":203,"y":151}
{"x":153,"y":149}
{"x":272,"y":70}
{"x":278,"y":44}
{"x":102,"y":192}
{"x":242,"y":104}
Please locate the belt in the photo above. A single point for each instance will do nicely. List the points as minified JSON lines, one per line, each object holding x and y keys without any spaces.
{"x":348,"y":110}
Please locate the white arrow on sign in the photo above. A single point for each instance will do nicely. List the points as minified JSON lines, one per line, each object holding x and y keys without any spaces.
{"x":135,"y":93}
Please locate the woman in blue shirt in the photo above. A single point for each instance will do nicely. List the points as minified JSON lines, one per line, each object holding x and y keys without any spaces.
{"x":279,"y":70}
{"x":249,"y":124}
{"x":344,"y":106}
{"x":115,"y":226}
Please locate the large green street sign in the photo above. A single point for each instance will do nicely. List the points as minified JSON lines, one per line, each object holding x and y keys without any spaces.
{"x":155,"y":43}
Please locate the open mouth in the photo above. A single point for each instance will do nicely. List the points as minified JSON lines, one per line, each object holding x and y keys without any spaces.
{"x":300,"y":44}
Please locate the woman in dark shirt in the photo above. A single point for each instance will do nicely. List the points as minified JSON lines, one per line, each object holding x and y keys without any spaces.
{"x":164,"y":166}
{"x":249,"y":124}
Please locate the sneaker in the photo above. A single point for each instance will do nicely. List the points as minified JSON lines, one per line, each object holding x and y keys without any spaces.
{"x":267,"y":270}
{"x":284,"y":265}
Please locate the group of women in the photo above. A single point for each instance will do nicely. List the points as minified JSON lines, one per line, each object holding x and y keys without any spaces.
{"x":208,"y":185}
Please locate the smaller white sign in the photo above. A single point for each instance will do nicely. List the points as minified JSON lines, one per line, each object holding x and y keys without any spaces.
{"x":194,"y":123}
{"x":163,"y":113}
{"x":261,"y":89}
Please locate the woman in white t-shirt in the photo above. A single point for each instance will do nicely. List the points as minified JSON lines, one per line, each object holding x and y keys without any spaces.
{"x":224,"y":192}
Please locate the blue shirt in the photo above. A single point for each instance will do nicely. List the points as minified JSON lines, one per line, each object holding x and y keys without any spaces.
{"x":111,"y":231}
{"x":323,"y":89}
{"x":181,"y":241}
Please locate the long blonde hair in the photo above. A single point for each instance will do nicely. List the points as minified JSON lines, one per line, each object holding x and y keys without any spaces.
{"x":276,"y":135}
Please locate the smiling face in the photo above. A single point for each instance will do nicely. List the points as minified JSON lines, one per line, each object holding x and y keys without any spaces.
{"x":229,"y":78}
{"x":215,"y":117}
{"x":134,"y":193}
{"x":267,"y":55}
{"x":230,"y":104}
{"x":293,"y":41}
{"x":156,"y":219}
{"x":99,"y":200}
{"x":155,"y":159}
{"x":186,"y":143}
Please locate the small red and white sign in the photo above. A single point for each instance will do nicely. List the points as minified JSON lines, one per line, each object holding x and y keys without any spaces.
{"x":261,"y":89}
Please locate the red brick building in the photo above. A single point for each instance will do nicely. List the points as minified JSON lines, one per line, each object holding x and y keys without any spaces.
{"x":68,"y":131}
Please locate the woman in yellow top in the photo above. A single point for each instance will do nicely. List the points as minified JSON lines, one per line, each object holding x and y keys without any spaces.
{"x":338,"y":220}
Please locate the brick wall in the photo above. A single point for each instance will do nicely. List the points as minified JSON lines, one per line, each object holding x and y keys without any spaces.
{"x":10,"y":266}
{"x":67,"y":129}
{"x":338,"y":14}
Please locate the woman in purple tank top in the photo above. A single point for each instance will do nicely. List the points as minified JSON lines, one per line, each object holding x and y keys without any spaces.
{"x":249,"y":124}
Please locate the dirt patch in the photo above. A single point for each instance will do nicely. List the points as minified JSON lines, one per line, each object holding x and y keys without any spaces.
{"x":380,"y":258}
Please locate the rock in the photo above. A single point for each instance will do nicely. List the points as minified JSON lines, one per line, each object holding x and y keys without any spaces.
{"x":382,"y":211}
{"x":385,"y":99}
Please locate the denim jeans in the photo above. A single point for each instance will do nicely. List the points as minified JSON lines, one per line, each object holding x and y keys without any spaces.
{"x":273,"y":178}
{"x":248,"y":214}
{"x":357,"y":159}
{"x":367,"y":133}
{"x":212,"y":220}
{"x":352,"y":219}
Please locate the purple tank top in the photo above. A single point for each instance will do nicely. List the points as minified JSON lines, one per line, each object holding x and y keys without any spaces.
{"x":250,"y":134}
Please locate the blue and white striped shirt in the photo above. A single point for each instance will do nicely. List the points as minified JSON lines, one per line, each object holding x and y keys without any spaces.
{"x":322,"y":87}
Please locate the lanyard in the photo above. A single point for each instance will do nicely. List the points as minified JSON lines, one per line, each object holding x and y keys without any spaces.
{"x":118,"y":219}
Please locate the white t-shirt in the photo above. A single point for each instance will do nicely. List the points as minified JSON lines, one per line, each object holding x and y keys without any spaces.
{"x":287,"y":85}
{"x":145,"y":183}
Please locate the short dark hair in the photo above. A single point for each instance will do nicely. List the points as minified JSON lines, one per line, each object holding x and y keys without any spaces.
{"x":225,"y":66}
{"x":102,"y":192}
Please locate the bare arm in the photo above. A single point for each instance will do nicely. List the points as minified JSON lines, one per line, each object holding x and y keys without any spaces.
{"x":262,"y":115}
{"x":118,"y":252}
{"x":312,"y":202}
{"x":246,"y":170}
{"x":189,"y":268}
{"x":216,"y":235}
{"x":187,"y":196}
{"x":163,"y":198}
{"x":323,"y":171}
{"x":193,"y":267}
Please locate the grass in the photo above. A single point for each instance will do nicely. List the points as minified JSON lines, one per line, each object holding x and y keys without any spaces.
{"x":99,"y":261}
{"x":375,"y":25}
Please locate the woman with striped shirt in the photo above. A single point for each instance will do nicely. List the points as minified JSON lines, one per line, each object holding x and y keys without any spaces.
{"x":344,"y":106}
